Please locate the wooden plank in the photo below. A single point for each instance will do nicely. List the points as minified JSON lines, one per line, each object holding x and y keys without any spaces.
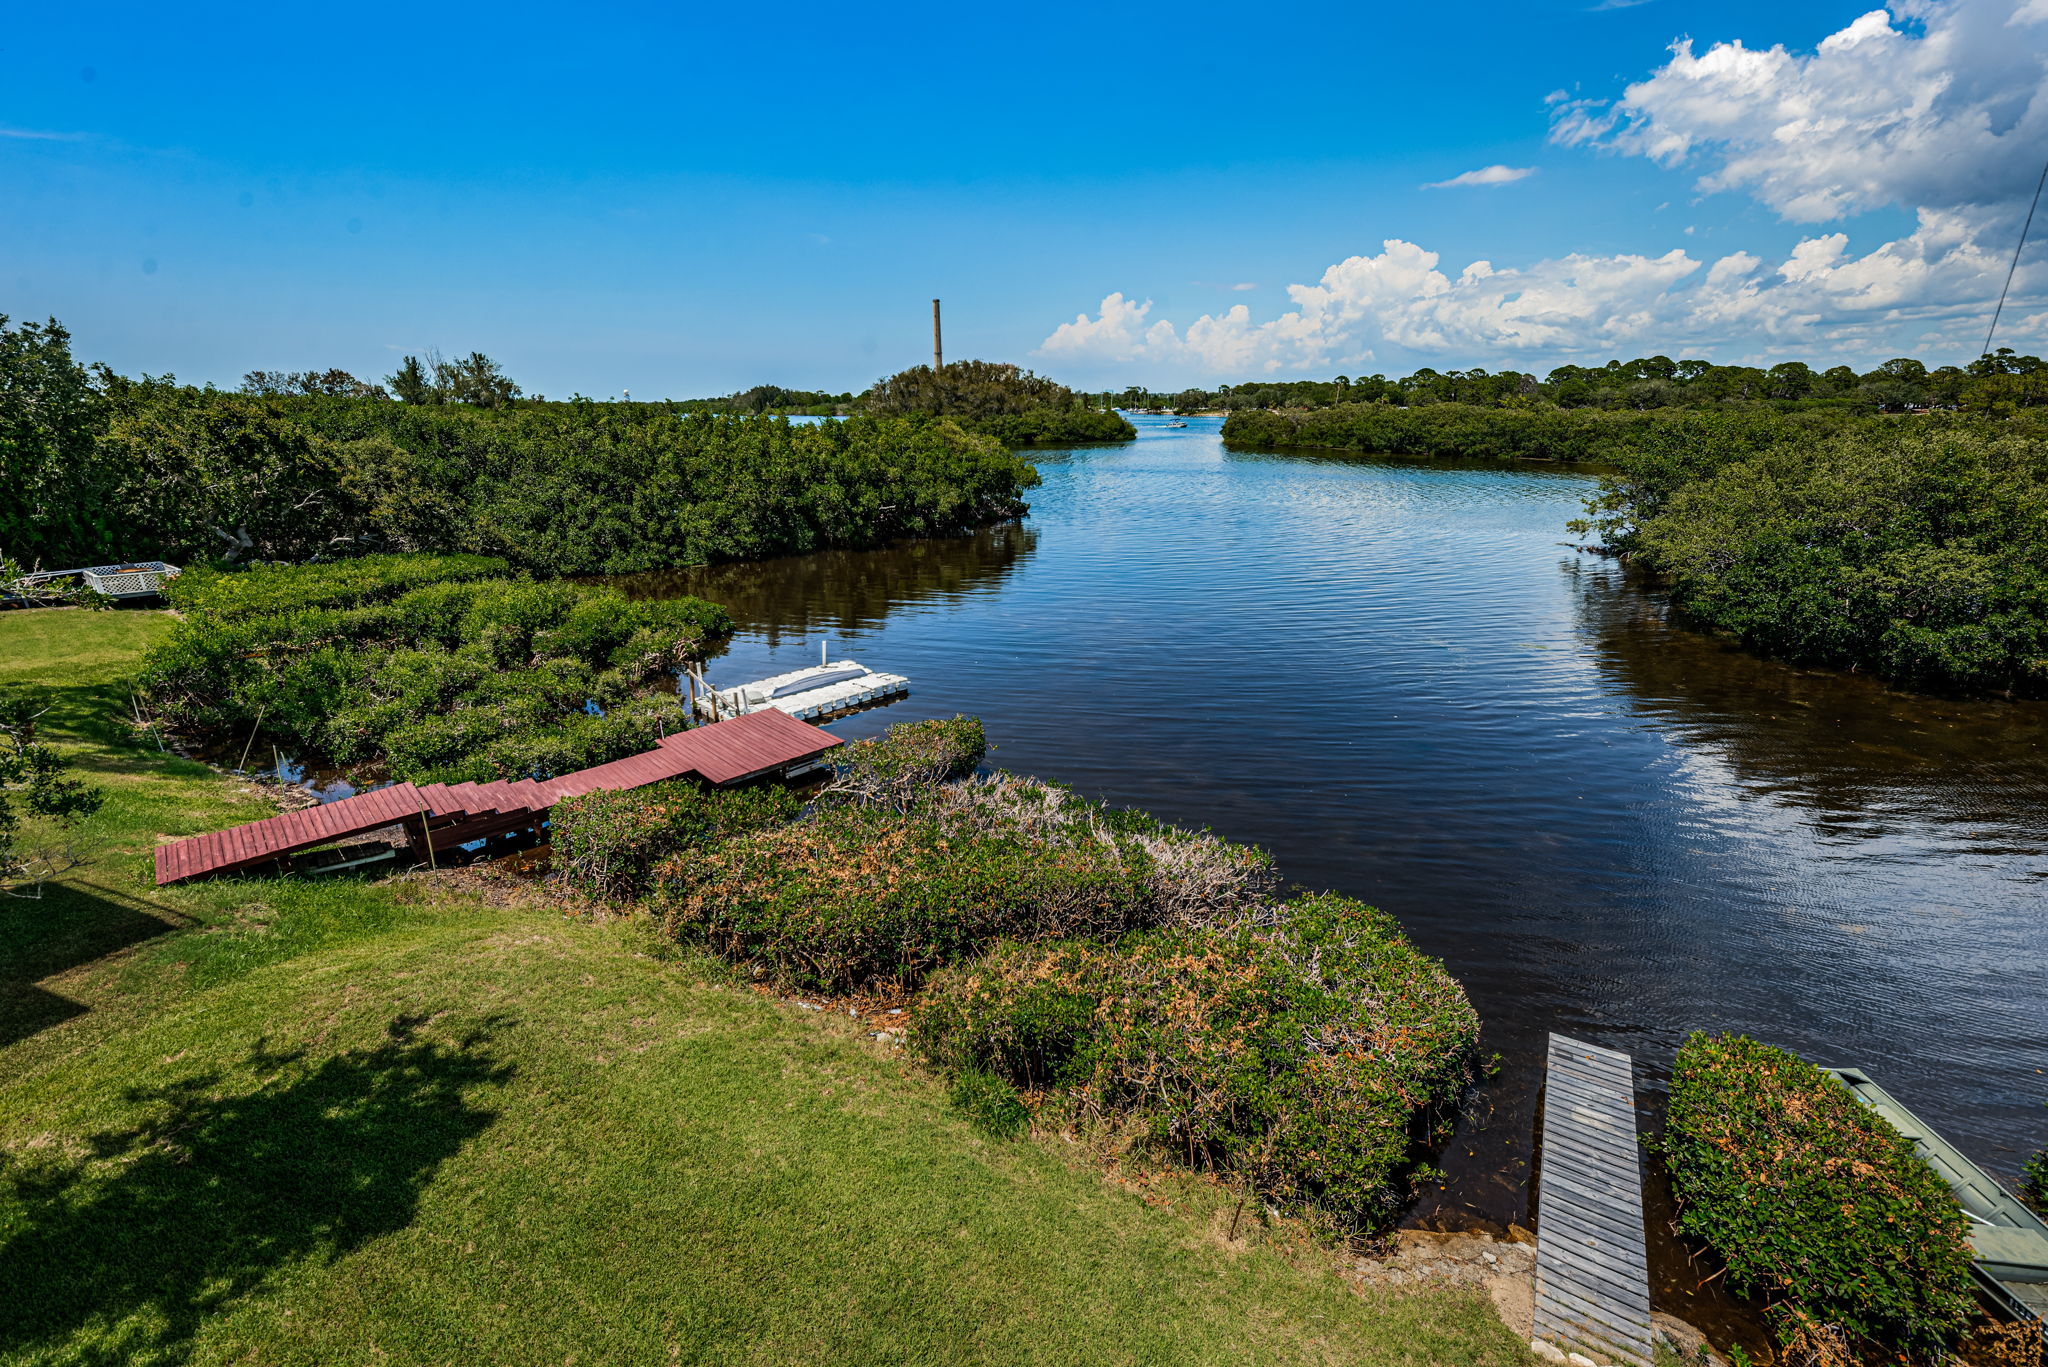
{"x":1595,"y":1098}
{"x":1600,"y":1275}
{"x":1562,"y":1304}
{"x":1604,"y":1259}
{"x":1569,"y":1326}
{"x":1598,"y":1152}
{"x":1556,"y":1178}
{"x":1573,"y":1223}
{"x":1602,"y":1091}
{"x":1573,"y":1070}
{"x":1581,"y":1096}
{"x":1574,"y":1216}
{"x":1594,"y":1054}
{"x":1582,"y":1312}
{"x":1598,"y":1205}
{"x":1569,"y":1303}
{"x":1598,"y":1079}
{"x":1600,"y":1074}
{"x":1594,"y":1172}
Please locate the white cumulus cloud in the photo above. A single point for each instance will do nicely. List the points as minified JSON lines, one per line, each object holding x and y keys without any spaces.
{"x":1485,"y":175}
{"x":1945,"y":106}
{"x":1936,"y":107}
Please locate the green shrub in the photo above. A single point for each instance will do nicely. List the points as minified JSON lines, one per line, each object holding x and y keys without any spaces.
{"x":909,"y":760}
{"x":1813,"y":1200}
{"x":227,"y":595}
{"x":1304,"y":1054}
{"x":854,"y":895}
{"x":470,"y":678}
{"x":991,"y":1103}
{"x":35,"y":787}
{"x":607,"y":843}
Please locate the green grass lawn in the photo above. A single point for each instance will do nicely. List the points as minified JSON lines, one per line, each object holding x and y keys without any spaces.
{"x":267,"y":1122}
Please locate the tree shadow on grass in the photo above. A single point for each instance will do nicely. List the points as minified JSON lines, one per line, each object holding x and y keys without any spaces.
{"x":118,"y":1253}
{"x":69,"y":925}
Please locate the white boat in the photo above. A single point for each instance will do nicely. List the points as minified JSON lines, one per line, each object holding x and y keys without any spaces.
{"x":818,"y":691}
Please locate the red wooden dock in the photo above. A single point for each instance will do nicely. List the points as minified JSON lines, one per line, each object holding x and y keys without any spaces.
{"x":440,"y":816}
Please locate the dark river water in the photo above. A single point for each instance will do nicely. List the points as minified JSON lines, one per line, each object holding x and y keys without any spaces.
{"x":1394,"y":675}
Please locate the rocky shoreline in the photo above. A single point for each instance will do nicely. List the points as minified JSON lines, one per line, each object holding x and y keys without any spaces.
{"x":1505,"y":1269}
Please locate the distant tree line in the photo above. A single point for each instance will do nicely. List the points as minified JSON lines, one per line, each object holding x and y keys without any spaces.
{"x":1998,"y":384}
{"x":995,"y":398}
{"x":474,"y":379}
{"x":97,"y":467}
{"x":1478,"y":432}
{"x":773,"y":398}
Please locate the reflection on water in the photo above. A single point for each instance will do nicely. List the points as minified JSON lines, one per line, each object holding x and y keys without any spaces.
{"x":1393,"y":675}
{"x":1842,"y":745}
{"x":845,"y":591}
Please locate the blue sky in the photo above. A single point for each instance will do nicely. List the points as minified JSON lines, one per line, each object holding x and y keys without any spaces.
{"x":686,"y":201}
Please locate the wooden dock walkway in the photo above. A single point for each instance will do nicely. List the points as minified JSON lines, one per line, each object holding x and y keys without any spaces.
{"x":1592,"y":1280}
{"x":443,"y":816}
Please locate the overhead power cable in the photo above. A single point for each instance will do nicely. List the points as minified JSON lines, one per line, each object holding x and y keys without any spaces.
{"x":2018,"y":247}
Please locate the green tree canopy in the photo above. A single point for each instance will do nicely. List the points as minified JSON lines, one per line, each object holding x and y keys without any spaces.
{"x":968,"y":389}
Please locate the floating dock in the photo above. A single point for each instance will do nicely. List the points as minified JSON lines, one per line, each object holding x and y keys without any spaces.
{"x":1592,"y":1276}
{"x":822,"y":690}
{"x":439,"y":817}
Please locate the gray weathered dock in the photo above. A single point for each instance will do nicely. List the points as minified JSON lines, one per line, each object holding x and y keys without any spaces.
{"x":1592,"y":1280}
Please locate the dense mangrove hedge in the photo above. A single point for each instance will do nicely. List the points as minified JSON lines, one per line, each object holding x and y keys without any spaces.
{"x":1068,"y":959}
{"x":1916,"y":550}
{"x":95,"y":468}
{"x":1301,"y":1051}
{"x":437,"y":668}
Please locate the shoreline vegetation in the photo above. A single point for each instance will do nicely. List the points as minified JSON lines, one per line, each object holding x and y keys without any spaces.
{"x":1817,"y":1206}
{"x":434,"y":1118}
{"x":1472,"y":431}
{"x":1066,"y":962}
